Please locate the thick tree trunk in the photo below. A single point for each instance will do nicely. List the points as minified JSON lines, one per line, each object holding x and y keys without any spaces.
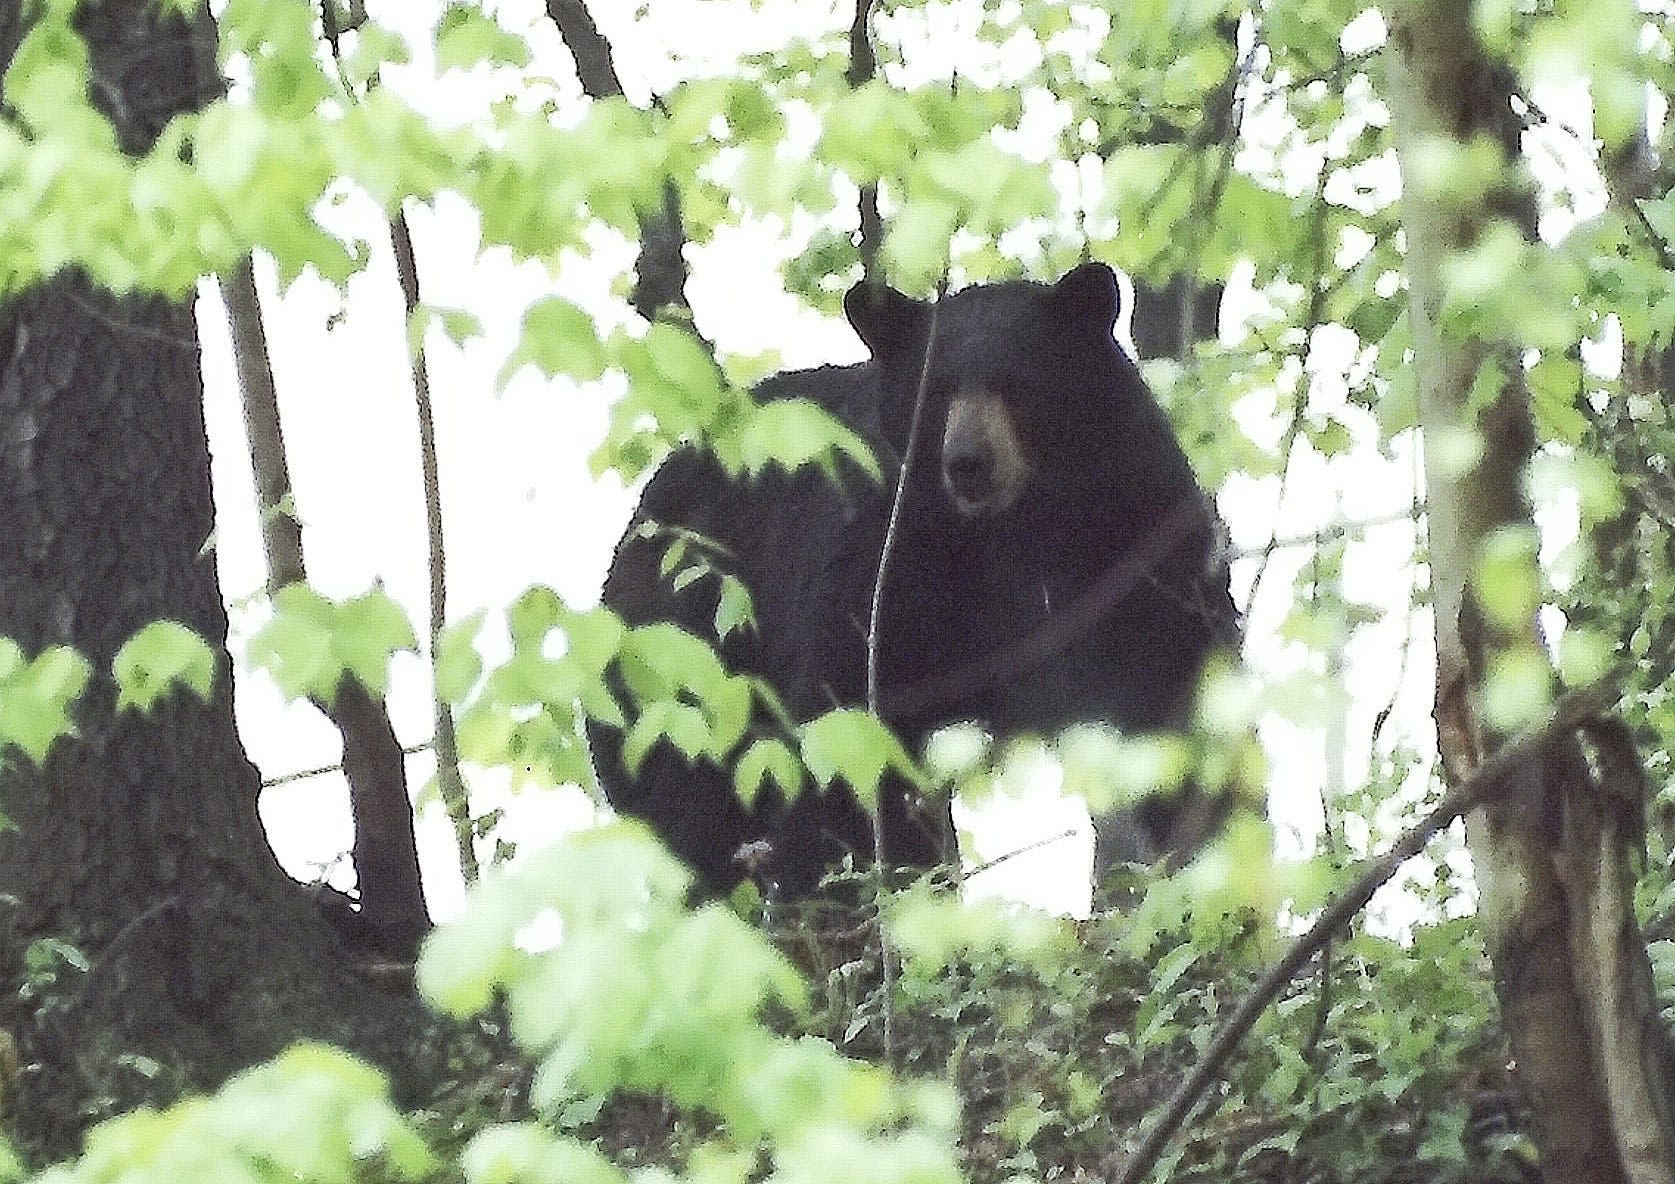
{"x":138,"y":840}
{"x":1554,"y":859}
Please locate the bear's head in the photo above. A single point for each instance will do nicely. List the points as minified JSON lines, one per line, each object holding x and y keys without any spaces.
{"x":1026,"y":392}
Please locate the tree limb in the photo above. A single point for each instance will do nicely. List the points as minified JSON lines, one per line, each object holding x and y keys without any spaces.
{"x":1553,"y":860}
{"x":450,"y":785}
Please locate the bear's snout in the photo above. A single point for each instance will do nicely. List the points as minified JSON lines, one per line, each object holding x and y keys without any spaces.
{"x":984,"y":468}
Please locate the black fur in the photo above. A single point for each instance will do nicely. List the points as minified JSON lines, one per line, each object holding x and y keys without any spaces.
{"x":974,"y":606}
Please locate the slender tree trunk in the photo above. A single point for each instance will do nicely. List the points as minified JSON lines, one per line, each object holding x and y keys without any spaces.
{"x":1554,"y":860}
{"x":392,"y":917}
{"x":138,"y":840}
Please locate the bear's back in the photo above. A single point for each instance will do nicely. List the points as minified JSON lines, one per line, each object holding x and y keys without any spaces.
{"x":805,"y":547}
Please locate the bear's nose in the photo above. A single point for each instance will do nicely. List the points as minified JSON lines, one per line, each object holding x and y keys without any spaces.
{"x":970,"y":474}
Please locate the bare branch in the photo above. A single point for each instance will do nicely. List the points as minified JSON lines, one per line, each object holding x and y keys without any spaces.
{"x":886,"y":952}
{"x":595,"y":64}
{"x":325,"y":770}
{"x":1067,"y":833}
{"x":450,"y":784}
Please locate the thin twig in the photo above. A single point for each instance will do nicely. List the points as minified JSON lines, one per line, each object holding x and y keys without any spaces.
{"x":450,"y":785}
{"x":324,"y":770}
{"x":1573,"y":710}
{"x":1332,"y":788}
{"x":1068,"y":832}
{"x":1341,"y":529}
{"x":1299,"y":410}
{"x":891,"y":529}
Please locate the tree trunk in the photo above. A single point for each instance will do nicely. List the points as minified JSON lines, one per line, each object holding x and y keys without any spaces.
{"x":1554,"y":858}
{"x":392,"y":918}
{"x":138,"y":840}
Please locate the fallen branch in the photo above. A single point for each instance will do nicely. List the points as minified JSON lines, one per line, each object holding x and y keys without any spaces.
{"x":1574,"y":710}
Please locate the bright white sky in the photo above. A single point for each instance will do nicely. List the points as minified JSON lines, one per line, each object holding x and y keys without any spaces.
{"x":520,"y":508}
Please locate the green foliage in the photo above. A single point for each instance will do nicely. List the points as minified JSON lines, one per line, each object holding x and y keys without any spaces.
{"x":37,"y":696}
{"x":855,"y":747}
{"x":1050,"y":1029}
{"x":466,"y":36}
{"x":642,"y":994}
{"x":313,"y":1114}
{"x":525,"y":714}
{"x":161,"y":656}
{"x":313,"y":643}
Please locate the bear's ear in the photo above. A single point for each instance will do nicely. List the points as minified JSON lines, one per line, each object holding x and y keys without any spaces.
{"x":1088,"y":293}
{"x":887,"y":321}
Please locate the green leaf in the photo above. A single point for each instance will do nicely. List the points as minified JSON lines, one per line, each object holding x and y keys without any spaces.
{"x":768,"y":760}
{"x":957,"y":752}
{"x":533,"y":615}
{"x":594,"y":638}
{"x":460,"y":964}
{"x":674,"y":659}
{"x":458,"y":666}
{"x":856,"y":747}
{"x":734,"y":608}
{"x":791,"y":433}
{"x":1518,"y":690}
{"x":679,"y":724}
{"x":1508,"y":580}
{"x":36,"y":698}
{"x":157,"y":658}
{"x":466,"y":36}
{"x":1585,"y":656}
{"x":558,"y":338}
{"x":370,"y":628}
{"x":295,"y":647}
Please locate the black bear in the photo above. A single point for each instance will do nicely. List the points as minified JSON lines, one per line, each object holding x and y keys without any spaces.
{"x":1055,"y":562}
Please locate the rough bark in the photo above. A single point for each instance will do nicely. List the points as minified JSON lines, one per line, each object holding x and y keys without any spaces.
{"x":1554,"y":860}
{"x":392,"y":917}
{"x":138,"y":840}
